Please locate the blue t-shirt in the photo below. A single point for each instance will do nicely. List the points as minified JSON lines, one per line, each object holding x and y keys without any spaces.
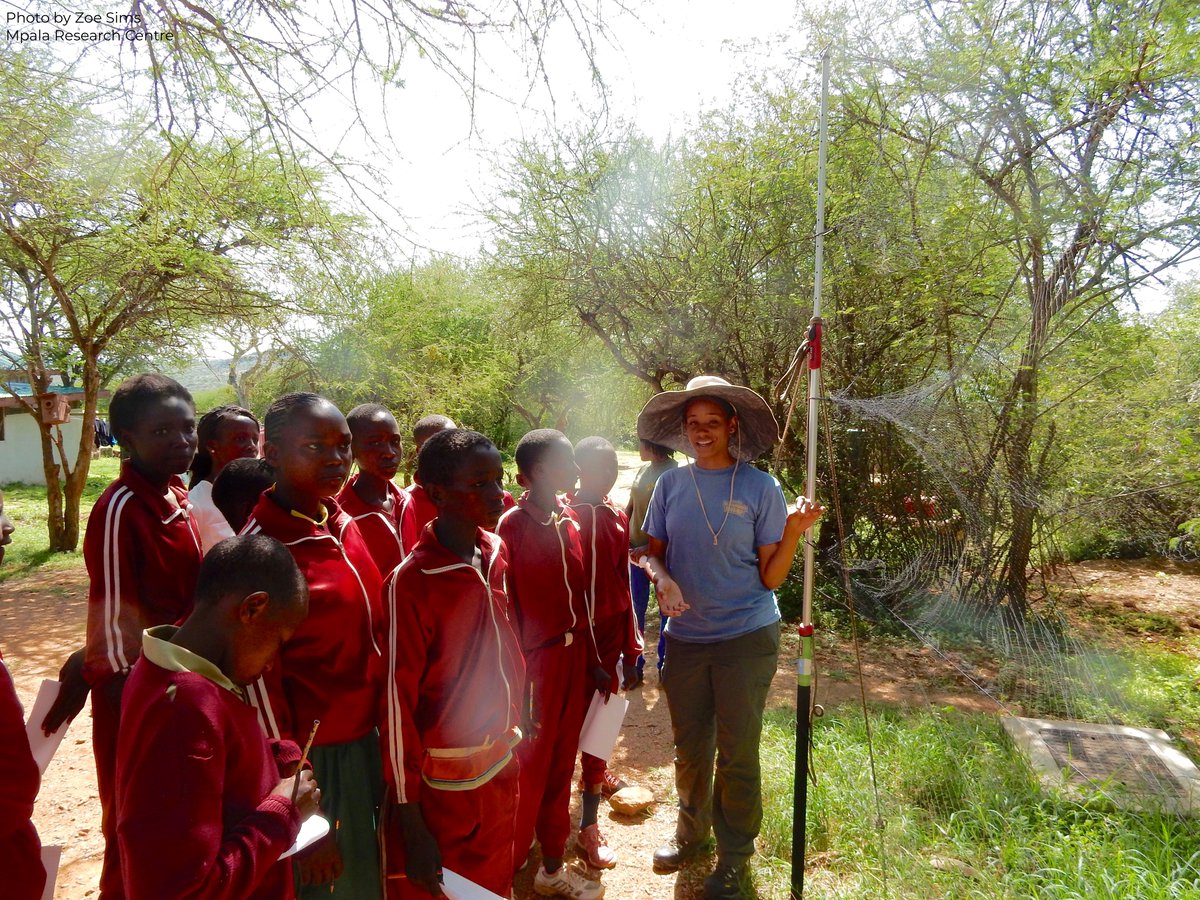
{"x":721,"y":584}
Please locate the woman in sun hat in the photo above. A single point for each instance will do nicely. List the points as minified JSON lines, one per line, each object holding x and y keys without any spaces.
{"x":721,"y":539}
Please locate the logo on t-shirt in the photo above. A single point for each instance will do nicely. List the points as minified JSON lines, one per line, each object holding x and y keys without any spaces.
{"x":736,"y":507}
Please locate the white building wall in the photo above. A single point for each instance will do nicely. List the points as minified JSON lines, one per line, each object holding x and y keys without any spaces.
{"x":21,"y":449}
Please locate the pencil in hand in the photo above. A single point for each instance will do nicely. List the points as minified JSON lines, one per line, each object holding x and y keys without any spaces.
{"x":304,"y":758}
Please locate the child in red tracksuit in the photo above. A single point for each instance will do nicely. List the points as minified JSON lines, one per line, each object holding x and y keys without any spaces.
{"x":142,"y":552}
{"x":205,"y":803}
{"x":455,"y":683}
{"x":421,"y":510}
{"x":547,"y":590}
{"x":331,"y":669}
{"x":20,"y":848}
{"x":605,"y":535}
{"x":370,"y":498}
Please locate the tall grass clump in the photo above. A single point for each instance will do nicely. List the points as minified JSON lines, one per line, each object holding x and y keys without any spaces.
{"x":959,"y":815}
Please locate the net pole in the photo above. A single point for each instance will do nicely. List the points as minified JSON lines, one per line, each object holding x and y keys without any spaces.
{"x":805,"y":663}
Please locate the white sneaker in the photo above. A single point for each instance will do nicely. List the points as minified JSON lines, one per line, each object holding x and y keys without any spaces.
{"x":566,"y":882}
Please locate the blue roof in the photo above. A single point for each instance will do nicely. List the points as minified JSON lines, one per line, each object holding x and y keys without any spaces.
{"x":25,"y":389}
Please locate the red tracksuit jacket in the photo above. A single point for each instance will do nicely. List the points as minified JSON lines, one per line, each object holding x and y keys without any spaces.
{"x":604,"y":533}
{"x":20,"y":850}
{"x":546,"y":584}
{"x":194,"y":777}
{"x":332,"y":667}
{"x":455,"y":673}
{"x":419,"y":512}
{"x":142,"y":556}
{"x":381,"y":530}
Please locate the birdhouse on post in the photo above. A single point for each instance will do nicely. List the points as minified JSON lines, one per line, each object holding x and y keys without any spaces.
{"x":55,"y":409}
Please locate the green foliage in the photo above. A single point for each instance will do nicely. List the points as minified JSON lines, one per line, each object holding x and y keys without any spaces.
{"x":962,"y":816}
{"x":118,"y":246}
{"x":25,"y":505}
{"x":445,"y":337}
{"x":1187,"y":542}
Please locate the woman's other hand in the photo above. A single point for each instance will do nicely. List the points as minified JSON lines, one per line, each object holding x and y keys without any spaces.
{"x":803,"y":517}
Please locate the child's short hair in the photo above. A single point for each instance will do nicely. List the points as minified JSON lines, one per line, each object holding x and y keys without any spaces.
{"x":248,"y":563}
{"x":442,"y":454}
{"x":238,"y":487}
{"x":279,"y":414}
{"x":430,"y":425}
{"x":532,"y":447}
{"x":591,"y":447}
{"x":206,"y":430}
{"x":133,"y":395}
{"x":366,"y":412}
{"x":661,"y":450}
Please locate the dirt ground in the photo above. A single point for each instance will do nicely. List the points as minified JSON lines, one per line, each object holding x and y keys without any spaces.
{"x":42,"y":620}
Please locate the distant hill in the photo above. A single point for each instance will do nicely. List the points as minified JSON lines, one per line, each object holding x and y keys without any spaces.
{"x":207,"y":374}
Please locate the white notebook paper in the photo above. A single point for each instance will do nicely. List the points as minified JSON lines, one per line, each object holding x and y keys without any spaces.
{"x":602,"y":725}
{"x":42,"y":745}
{"x":312,"y":830}
{"x":51,"y":857}
{"x":455,"y":887}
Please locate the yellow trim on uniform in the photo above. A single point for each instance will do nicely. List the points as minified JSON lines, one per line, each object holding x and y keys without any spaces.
{"x":157,"y":647}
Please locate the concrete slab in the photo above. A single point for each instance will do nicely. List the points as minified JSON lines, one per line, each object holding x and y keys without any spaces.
{"x":1136,"y":768}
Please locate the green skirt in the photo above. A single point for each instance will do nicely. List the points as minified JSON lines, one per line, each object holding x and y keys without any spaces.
{"x":351,"y":779}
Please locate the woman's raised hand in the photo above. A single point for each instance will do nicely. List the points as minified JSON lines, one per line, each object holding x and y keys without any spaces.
{"x":801,"y":518}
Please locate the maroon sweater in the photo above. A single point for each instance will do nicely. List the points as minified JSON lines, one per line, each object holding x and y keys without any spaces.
{"x":194,"y":777}
{"x":20,"y":850}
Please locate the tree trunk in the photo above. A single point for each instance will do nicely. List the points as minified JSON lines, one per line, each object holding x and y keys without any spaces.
{"x":1022,"y":488}
{"x":1020,"y":421}
{"x":56,"y":523}
{"x":77,"y":476}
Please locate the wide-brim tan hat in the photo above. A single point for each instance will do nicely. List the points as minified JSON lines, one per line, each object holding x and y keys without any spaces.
{"x":661,"y":419}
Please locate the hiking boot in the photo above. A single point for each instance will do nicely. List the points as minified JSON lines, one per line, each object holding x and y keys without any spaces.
{"x":595,"y":848}
{"x":725,"y":883}
{"x":673,"y":854}
{"x":566,"y":882}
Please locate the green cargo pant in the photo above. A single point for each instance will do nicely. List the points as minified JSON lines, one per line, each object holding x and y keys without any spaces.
{"x":716,"y":694}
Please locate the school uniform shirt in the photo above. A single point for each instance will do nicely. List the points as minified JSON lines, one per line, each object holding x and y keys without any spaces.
{"x":332,"y":667}
{"x":210,"y":521}
{"x":142,"y":555}
{"x":20,"y":849}
{"x":604,"y":533}
{"x":195,"y":813}
{"x":455,"y":673}
{"x":546,"y":583}
{"x":381,"y":530}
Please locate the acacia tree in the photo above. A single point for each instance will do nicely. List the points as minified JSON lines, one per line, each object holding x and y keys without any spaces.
{"x":115,"y":245}
{"x":1077,"y":122}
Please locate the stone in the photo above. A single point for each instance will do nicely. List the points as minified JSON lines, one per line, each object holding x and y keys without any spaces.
{"x":631,"y":801}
